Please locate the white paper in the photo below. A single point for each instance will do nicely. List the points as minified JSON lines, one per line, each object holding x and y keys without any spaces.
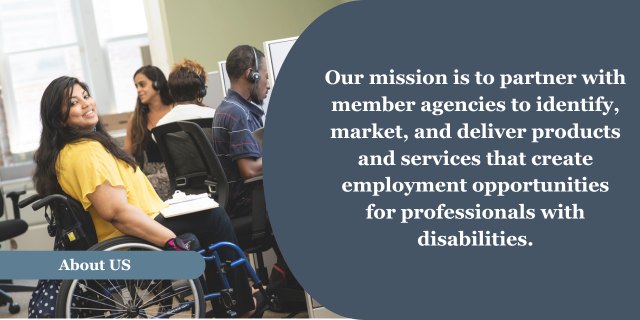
{"x":188,"y":204}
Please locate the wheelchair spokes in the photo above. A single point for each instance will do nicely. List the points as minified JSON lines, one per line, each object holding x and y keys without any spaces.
{"x":142,"y":298}
{"x":119,"y":299}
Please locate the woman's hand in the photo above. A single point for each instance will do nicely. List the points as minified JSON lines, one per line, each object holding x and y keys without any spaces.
{"x":184,"y":242}
{"x":112,"y":206}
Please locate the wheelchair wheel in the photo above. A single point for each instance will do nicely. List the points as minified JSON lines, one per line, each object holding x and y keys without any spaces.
{"x":84,"y":298}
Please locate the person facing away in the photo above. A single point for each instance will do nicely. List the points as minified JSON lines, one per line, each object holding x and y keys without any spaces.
{"x":187,"y":86}
{"x":238,"y":115}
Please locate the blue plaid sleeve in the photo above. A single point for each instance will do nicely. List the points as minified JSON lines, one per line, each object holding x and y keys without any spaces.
{"x":242,"y":143}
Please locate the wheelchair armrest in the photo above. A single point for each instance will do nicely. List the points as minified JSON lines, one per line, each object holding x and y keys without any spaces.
{"x":49,"y":199}
{"x":254,"y":179}
{"x":29,"y":200}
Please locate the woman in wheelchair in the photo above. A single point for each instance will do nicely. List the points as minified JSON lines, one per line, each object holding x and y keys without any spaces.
{"x":78,"y":157}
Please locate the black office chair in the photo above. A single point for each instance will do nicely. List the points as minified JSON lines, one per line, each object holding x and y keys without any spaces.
{"x":10,"y":229}
{"x":193,"y":167}
{"x":287,"y":293}
{"x":189,"y":174}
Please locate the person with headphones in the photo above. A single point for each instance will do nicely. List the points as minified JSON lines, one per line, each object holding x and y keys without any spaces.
{"x":187,"y":86}
{"x":153,"y":103}
{"x":239,"y":114}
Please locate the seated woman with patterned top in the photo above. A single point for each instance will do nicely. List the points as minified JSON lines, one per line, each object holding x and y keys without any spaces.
{"x":153,"y":103}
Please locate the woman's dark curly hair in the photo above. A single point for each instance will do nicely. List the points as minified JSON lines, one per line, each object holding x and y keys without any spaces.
{"x":55,"y":135}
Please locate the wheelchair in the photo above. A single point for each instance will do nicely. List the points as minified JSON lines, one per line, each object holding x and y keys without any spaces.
{"x":109,"y":298}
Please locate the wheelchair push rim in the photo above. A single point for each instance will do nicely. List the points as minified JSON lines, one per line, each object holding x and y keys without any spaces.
{"x":136,"y":304}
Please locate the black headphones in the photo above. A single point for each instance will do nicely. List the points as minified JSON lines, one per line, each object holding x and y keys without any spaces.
{"x":254,"y":75}
{"x":203,"y":89}
{"x":155,"y":84}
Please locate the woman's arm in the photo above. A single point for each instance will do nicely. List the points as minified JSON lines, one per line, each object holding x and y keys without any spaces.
{"x":128,"y":145}
{"x":112,"y":206}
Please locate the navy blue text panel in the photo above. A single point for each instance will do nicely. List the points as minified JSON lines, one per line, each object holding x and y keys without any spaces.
{"x":461,"y":159}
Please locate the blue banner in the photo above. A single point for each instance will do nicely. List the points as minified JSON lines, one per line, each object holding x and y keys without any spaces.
{"x":100,"y":265}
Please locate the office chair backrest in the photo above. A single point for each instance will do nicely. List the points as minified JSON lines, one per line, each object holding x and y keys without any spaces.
{"x":191,"y":163}
{"x":1,"y":204}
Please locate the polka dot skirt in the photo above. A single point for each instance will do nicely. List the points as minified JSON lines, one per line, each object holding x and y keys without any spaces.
{"x":44,"y":297}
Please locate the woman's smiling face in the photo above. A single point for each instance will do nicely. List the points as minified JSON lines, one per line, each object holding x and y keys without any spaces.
{"x":83,"y":115}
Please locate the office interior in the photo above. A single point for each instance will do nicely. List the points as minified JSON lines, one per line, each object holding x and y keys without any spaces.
{"x":103,"y":42}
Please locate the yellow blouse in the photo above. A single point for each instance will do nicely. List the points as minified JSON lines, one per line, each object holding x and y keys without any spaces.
{"x":84,"y":165}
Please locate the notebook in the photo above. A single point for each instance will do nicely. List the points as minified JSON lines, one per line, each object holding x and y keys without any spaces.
{"x":188,"y":204}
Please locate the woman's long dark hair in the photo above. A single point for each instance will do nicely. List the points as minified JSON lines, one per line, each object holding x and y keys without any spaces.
{"x":140,"y":118}
{"x":55,"y":136}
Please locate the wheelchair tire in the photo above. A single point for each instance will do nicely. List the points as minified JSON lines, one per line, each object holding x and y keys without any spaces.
{"x":89,"y":298}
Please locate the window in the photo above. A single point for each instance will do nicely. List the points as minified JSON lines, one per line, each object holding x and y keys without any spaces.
{"x":41,"y":40}
{"x":122,"y":29}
